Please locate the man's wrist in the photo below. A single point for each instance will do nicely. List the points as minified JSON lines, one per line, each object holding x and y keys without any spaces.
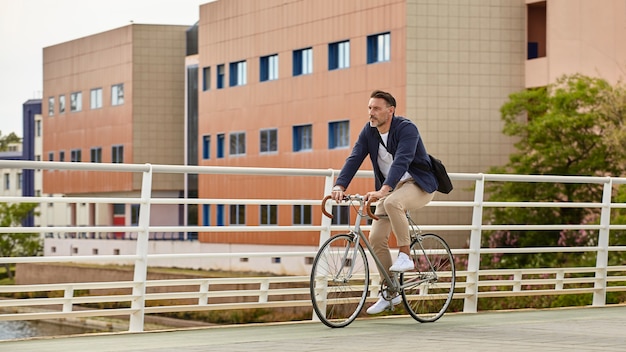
{"x":338,"y":188}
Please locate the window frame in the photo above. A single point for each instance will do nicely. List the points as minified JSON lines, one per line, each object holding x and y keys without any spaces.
{"x":339,"y":55}
{"x":117,"y":94}
{"x":339,"y":134}
{"x":206,"y":78}
{"x":303,"y":61}
{"x":50,"y":106}
{"x":95,"y":154}
{"x":270,"y":135}
{"x":299,"y":138}
{"x":238,"y":73}
{"x":268,"y":214}
{"x":239,"y":139}
{"x":374,"y":52}
{"x":206,"y":147}
{"x":237,"y":215}
{"x":117,"y":154}
{"x":300,"y":212}
{"x":97,"y":102}
{"x":268,"y":68}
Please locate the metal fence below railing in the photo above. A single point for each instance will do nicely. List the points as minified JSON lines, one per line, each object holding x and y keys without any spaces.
{"x":141,"y":296}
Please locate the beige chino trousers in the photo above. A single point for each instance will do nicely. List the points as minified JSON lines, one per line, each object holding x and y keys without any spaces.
{"x":407,"y":196}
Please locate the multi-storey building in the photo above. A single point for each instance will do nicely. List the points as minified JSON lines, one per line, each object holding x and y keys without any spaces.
{"x":115,"y":97}
{"x":286,"y":84}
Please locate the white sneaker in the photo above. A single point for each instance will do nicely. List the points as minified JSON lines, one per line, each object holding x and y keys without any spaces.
{"x":402,"y":263}
{"x":383,"y":304}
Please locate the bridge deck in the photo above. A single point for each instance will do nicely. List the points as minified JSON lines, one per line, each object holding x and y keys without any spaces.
{"x":571,"y":329}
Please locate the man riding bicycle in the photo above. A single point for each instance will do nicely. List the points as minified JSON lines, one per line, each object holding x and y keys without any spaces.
{"x":402,"y":181}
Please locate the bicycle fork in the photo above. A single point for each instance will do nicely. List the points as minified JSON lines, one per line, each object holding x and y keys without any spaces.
{"x":347,"y":260}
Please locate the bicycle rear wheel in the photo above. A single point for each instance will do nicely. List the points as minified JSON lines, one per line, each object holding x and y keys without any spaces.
{"x":339,"y":281}
{"x":428,"y":290}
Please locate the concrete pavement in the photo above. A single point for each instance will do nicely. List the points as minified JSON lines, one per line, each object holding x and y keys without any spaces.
{"x":567,"y":329}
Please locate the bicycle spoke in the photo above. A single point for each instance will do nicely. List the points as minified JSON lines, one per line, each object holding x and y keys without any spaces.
{"x":429,"y":289}
{"x":339,"y":281}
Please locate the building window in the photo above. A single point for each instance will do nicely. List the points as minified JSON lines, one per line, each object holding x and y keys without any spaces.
{"x":38,"y":128}
{"x":96,"y":155}
{"x":269,"y":141}
{"x":96,"y":98}
{"x":536,"y":30}
{"x":75,"y":155}
{"x":220,"y":145}
{"x":61,"y":104}
{"x":237,"y":214}
{"x":338,"y":134}
{"x":51,"y":106}
{"x":206,"y":147}
{"x":76,"y":101}
{"x":341,"y":215}
{"x":206,"y":214}
{"x":50,"y":156}
{"x":206,"y":78}
{"x":237,"y":73}
{"x":19,"y":180}
{"x":339,"y":55}
{"x":269,"y":68}
{"x":220,"y":215}
{"x":7,"y":181}
{"x":302,"y":138}
{"x":117,"y":154}
{"x":378,"y":48}
{"x":269,"y":214}
{"x":303,"y":61}
{"x":61,"y":155}
{"x":117,"y":94}
{"x":302,"y":215}
{"x":220,"y":76}
{"x":237,"y":143}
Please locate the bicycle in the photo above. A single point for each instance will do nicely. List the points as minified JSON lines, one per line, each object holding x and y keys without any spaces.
{"x":340,"y":278}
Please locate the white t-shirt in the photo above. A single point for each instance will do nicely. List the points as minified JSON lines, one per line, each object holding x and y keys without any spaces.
{"x":385,"y":159}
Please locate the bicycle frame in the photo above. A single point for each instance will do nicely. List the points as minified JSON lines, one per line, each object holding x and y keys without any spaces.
{"x":364,"y":212}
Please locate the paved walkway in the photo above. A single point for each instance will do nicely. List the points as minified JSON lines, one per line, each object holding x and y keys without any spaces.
{"x":572,"y":329}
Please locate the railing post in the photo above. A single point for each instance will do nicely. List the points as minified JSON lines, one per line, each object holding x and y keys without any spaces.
{"x":326,"y":222}
{"x":69,"y":297}
{"x":602,"y":258}
{"x":470,"y":304}
{"x":141,"y":264}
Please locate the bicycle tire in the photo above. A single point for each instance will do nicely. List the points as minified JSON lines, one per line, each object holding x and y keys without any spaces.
{"x":338,"y":287}
{"x":428,"y":299}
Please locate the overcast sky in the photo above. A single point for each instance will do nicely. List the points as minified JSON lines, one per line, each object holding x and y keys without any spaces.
{"x":28,"y":26}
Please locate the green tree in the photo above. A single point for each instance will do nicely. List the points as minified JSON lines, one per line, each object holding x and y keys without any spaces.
{"x":18,"y":244}
{"x":8,"y":139}
{"x":572,"y":127}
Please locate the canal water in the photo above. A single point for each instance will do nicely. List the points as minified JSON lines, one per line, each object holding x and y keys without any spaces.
{"x":18,"y":329}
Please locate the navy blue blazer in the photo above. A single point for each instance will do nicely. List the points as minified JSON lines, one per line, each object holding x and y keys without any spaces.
{"x":407,"y":148}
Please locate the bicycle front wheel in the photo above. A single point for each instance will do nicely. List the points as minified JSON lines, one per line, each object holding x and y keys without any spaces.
{"x":427,"y":291}
{"x":339,"y":281}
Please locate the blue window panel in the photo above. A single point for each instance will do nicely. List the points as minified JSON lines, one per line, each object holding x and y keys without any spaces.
{"x":220,"y":76}
{"x":206,"y":214}
{"x":338,"y":134}
{"x":302,"y":138}
{"x":220,"y":145}
{"x":220,"y":215}
{"x":378,"y":48}
{"x":206,"y":147}
{"x":206,"y":78}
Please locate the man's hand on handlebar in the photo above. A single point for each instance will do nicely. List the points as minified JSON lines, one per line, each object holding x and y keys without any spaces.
{"x":337,"y":194}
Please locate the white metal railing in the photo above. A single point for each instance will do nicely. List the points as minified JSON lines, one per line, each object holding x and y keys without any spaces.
{"x":293,"y":291}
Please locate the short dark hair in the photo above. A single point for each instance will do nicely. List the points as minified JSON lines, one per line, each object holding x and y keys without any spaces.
{"x":385,"y":96}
